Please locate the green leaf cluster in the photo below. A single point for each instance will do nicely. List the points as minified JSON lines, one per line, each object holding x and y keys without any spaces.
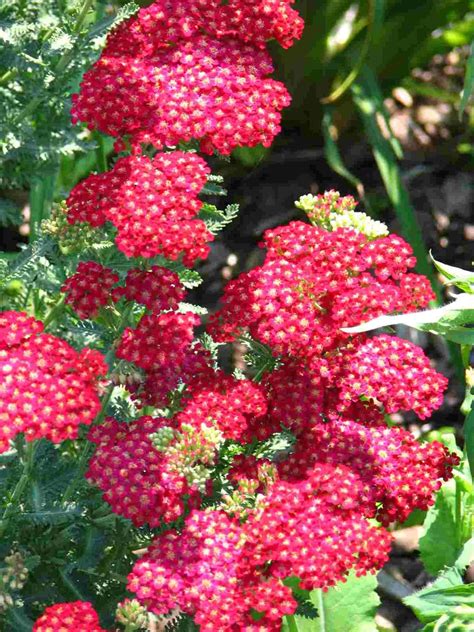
{"x":448,"y":598}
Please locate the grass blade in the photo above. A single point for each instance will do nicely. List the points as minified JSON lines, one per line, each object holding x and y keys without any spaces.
{"x":333,"y":155}
{"x":367,"y":102}
{"x":468,"y":82}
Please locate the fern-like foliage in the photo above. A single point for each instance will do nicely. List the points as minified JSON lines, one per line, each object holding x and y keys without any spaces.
{"x":44,"y":49}
{"x":216,"y":219}
{"x":10,"y":213}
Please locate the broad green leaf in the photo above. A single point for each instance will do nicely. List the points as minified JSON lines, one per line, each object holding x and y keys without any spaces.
{"x":468,"y":82}
{"x":440,"y":526}
{"x":464,"y":279}
{"x":355,"y":601}
{"x":460,"y":335}
{"x":434,"y":602}
{"x":250,"y":156}
{"x":448,"y":591}
{"x":440,"y":320}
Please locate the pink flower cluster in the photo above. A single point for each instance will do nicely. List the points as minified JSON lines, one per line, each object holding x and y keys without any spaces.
{"x":190,"y":69}
{"x":47,"y":388}
{"x":134,"y":476}
{"x":69,"y":617}
{"x":152,"y":203}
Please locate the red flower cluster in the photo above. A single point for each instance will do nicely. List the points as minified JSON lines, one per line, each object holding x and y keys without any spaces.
{"x":218,"y":569}
{"x":162,"y":346}
{"x":153,"y":204}
{"x":160,"y":340}
{"x":182,"y":70}
{"x":394,"y":372}
{"x":156,"y":288}
{"x":92,"y":286}
{"x":397,"y":473}
{"x":146,"y":467}
{"x":89,"y":288}
{"x":47,"y":387}
{"x":229,"y":404}
{"x":314,"y":282}
{"x":71,"y":616}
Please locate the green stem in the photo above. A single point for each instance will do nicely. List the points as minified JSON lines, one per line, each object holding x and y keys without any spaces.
{"x":458,"y":515}
{"x":69,"y":585}
{"x":54,"y":311}
{"x":37,"y":196}
{"x":352,"y":76}
{"x":5,"y":78}
{"x":292,"y":624}
{"x":28,"y":460}
{"x":100,"y":153}
{"x":86,"y":450}
{"x":321,"y":611}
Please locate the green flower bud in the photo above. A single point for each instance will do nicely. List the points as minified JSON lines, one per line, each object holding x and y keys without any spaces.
{"x":132,"y":614}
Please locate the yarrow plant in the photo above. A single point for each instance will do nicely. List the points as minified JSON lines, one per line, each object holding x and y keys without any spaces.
{"x":209,"y":498}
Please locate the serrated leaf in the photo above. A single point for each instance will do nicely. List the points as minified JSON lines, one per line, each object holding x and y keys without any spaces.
{"x":190,"y":307}
{"x":102,"y":27}
{"x":25,"y":265}
{"x":215,"y":219}
{"x":440,"y":527}
{"x":51,"y":517}
{"x":355,"y":601}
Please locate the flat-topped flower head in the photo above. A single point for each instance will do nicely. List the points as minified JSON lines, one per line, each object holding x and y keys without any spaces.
{"x":153,"y":204}
{"x":200,"y":70}
{"x":219,"y":569}
{"x":314,"y":282}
